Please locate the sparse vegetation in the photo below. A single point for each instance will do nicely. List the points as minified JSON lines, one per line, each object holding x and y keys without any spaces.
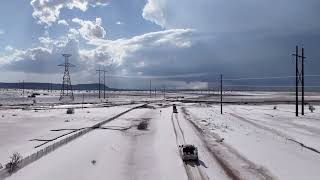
{"x":93,"y":162}
{"x":275,"y":107}
{"x":143,"y":125}
{"x":311,"y":108}
{"x":15,"y":159}
{"x":70,"y":111}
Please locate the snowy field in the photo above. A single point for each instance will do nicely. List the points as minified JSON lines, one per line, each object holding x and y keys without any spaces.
{"x":248,"y":141}
{"x":130,"y":154}
{"x":264,"y":136}
{"x":20,"y":127}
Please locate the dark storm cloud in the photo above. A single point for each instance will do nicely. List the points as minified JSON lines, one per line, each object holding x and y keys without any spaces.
{"x":205,"y":38}
{"x":43,"y":59}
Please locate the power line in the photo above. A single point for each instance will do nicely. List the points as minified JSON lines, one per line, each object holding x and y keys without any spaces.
{"x":259,"y":78}
{"x":242,"y":85}
{"x":272,"y":77}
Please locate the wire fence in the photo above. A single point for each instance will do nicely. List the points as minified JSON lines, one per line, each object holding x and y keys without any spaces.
{"x":37,"y":155}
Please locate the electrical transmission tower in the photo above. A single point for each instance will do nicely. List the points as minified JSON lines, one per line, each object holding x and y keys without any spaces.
{"x":104,"y":82}
{"x":66,"y":89}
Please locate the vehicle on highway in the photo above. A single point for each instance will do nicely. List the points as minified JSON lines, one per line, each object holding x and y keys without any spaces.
{"x":174,"y":108}
{"x":188,"y":152}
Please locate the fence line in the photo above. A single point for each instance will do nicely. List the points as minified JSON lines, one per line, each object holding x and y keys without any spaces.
{"x":37,"y":155}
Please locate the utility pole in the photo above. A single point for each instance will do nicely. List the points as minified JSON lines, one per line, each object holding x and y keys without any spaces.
{"x":23,"y":88}
{"x":51,"y":87}
{"x":155,"y":92}
{"x":82,"y":99}
{"x":104,"y":84}
{"x":297,"y":80}
{"x":221,"y":93}
{"x":99,"y":71}
{"x":150,"y":89}
{"x":302,"y":82}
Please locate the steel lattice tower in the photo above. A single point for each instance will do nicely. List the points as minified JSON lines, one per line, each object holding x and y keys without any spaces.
{"x":66,"y":93}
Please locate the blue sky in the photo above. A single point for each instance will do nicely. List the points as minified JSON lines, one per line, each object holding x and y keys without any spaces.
{"x":179,"y":44}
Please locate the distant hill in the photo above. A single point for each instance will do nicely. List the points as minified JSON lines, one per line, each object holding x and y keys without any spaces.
{"x":33,"y":85}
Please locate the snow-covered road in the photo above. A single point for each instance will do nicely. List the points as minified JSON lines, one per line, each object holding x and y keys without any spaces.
{"x":110,"y":153}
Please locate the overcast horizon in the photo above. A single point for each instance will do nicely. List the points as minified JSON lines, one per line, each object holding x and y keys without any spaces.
{"x":180,"y":44}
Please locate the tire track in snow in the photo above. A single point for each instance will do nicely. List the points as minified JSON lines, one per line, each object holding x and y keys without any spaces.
{"x":193,"y":170}
{"x":235,"y":165}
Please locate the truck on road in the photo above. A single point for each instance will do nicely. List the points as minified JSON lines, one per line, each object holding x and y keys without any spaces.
{"x":188,"y":152}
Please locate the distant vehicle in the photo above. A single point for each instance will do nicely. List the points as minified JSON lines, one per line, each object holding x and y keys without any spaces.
{"x":188,"y":152}
{"x":33,"y":95}
{"x":174,"y":108}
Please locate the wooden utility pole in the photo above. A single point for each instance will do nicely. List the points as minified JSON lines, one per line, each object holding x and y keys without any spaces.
{"x":104,"y":83}
{"x":23,"y":88}
{"x":99,"y":81}
{"x":302,"y":82}
{"x":150,"y":89}
{"x":221,"y":93}
{"x":82,"y":99}
{"x":297,"y":80}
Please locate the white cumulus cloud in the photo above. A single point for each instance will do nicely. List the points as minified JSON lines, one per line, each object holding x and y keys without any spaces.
{"x":63,"y":22}
{"x":90,"y":30}
{"x":48,"y":11}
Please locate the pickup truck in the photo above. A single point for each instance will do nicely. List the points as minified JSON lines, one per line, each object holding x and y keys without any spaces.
{"x":188,"y":152}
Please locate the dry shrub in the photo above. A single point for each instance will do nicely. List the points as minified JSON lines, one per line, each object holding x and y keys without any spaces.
{"x":311,"y":108}
{"x":143,"y":125}
{"x":13,"y":165}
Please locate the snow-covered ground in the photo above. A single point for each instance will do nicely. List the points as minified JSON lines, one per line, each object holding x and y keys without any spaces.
{"x":15,"y":98}
{"x":260,"y":134}
{"x":127,"y":153}
{"x":247,"y":142}
{"x":18,"y":127}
